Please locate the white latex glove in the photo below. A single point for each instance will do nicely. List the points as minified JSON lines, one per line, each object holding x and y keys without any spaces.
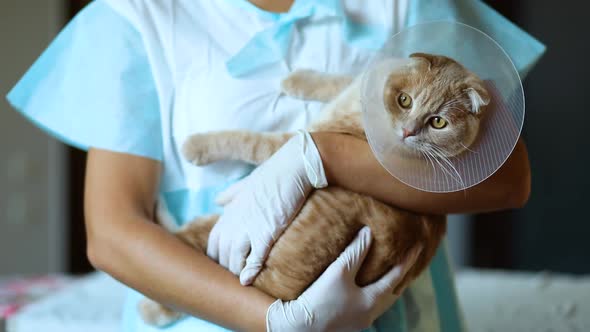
{"x":334,"y":302}
{"x":258,"y":208}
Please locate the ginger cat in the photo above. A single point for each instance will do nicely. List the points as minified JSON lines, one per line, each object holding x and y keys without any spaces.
{"x":436,"y":96}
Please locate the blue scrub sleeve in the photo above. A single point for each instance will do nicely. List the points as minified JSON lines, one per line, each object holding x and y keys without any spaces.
{"x":523,"y":49}
{"x":93,"y":86}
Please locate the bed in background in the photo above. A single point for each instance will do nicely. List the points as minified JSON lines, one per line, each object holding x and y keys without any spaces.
{"x":492,"y":301}
{"x":517,"y":301}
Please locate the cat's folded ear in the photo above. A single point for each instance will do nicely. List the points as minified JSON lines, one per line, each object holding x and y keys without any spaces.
{"x":428,"y":58}
{"x":431,"y":59}
{"x":479,"y":97}
{"x":425,"y":56}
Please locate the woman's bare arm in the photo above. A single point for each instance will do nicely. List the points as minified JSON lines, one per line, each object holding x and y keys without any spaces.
{"x":123,"y":241}
{"x":349,"y":163}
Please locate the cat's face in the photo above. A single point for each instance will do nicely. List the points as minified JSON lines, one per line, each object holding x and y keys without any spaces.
{"x":435,"y":105}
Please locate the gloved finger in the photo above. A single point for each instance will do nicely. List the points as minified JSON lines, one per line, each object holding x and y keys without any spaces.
{"x":213,"y":243}
{"x":351,"y":259}
{"x":239,"y":252}
{"x":387,"y":283}
{"x":226,"y":196}
{"x":225,"y":243}
{"x":254,"y":263}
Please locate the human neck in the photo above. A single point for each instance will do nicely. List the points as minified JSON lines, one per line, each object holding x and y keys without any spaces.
{"x":275,"y":6}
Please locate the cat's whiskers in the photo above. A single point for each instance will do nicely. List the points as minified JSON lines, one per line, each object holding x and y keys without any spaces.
{"x":441,"y":150}
{"x":460,"y":94}
{"x":466,"y":148}
{"x":440,"y":153}
{"x":451,"y":102}
{"x":434,"y":157}
{"x":458,"y":178}
{"x":446,"y":172}
{"x":458,"y":109}
{"x":430,"y":160}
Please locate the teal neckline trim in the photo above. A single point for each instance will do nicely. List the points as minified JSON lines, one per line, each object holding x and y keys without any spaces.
{"x":271,"y":45}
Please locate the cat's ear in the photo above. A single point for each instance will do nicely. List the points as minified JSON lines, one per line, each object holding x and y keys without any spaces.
{"x":425,"y":56}
{"x":431,"y":59}
{"x":479,"y":98}
{"x":428,"y":58}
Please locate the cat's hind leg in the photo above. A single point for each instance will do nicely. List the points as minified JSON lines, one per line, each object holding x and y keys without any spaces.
{"x":156,"y":314}
{"x":313,"y":85}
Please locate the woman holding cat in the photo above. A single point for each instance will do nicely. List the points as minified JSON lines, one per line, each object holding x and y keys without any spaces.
{"x":130,"y":80}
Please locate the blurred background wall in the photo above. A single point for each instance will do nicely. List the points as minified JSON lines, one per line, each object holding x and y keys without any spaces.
{"x":41,"y":220}
{"x":551,"y":232}
{"x":33,"y":214}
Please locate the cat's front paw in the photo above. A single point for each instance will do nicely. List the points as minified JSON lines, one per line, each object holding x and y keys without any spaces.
{"x":196,"y":150}
{"x":153,"y":313}
{"x":297,"y":83}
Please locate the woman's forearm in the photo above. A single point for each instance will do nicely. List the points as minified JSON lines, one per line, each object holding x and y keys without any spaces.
{"x":120,"y":192}
{"x":147,"y":258}
{"x":349,"y":163}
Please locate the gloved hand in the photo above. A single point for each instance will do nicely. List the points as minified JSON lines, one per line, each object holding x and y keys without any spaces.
{"x":258,"y":208}
{"x":334,"y":302}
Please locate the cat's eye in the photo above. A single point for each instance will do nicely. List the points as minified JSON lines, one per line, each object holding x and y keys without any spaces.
{"x":404,"y":100}
{"x":437,"y":122}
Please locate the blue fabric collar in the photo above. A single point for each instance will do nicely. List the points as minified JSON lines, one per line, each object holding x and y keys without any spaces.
{"x":270,"y":45}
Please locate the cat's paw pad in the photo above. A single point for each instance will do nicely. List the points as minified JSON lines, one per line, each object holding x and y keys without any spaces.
{"x":196,"y":150}
{"x":296,"y":84}
{"x":156,"y":314}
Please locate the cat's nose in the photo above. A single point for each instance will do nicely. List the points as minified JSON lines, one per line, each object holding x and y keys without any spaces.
{"x":408,"y":133}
